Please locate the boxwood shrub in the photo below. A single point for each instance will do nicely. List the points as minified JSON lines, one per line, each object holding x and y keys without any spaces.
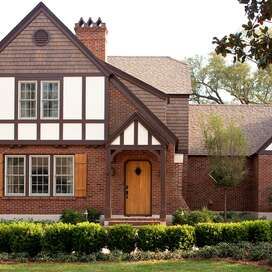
{"x":180,"y":237}
{"x":121,"y":237}
{"x":214,"y":233}
{"x":21,"y":237}
{"x":88,"y":237}
{"x":58,"y":238}
{"x":152,"y":238}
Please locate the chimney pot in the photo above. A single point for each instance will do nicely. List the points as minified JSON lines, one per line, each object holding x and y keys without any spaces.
{"x":93,"y":36}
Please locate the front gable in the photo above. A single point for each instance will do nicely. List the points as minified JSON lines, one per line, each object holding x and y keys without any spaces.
{"x":60,"y":55}
{"x":137,"y":132}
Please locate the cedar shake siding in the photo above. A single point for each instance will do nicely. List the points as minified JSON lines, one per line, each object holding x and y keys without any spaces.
{"x":177,"y":120}
{"x":60,"y":55}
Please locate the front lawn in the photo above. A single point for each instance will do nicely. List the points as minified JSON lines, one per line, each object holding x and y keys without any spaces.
{"x":159,"y":266}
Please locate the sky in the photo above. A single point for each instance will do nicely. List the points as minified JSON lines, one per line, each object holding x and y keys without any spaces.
{"x":175,"y":28}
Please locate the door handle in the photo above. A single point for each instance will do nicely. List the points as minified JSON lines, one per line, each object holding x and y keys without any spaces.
{"x":126,"y":191}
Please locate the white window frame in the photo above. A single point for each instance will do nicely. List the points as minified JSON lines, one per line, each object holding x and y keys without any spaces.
{"x":30,"y":175}
{"x":54,"y":183}
{"x":19,"y":99}
{"x":41,"y":99}
{"x":6,"y":184}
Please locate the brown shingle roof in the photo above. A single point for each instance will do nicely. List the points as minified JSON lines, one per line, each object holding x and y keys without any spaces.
{"x":164,"y":73}
{"x":255,"y":121}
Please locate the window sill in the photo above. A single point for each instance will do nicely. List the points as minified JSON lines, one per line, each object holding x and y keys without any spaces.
{"x":70,"y":198}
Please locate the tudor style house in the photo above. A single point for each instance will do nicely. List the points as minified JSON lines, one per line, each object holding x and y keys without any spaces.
{"x":80,"y":129}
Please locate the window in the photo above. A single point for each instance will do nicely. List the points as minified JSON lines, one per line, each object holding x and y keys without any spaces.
{"x":15,"y":175}
{"x":50,"y":99}
{"x":64,"y":175}
{"x":39,"y":175}
{"x":27,"y":100}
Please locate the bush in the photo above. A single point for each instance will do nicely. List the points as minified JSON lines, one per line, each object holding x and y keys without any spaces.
{"x":258,"y":231}
{"x":88,"y":237}
{"x":58,"y":238}
{"x":214,"y":233}
{"x":23,"y":237}
{"x":71,"y":216}
{"x":93,"y":215}
{"x":122,"y":237}
{"x":152,"y":238}
{"x":184,"y":217}
{"x":180,"y":237}
{"x":237,"y":216}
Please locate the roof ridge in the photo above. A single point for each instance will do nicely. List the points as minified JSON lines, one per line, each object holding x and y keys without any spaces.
{"x":166,"y":57}
{"x":231,"y":105}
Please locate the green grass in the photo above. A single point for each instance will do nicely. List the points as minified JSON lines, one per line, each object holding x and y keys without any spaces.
{"x":158,"y":266}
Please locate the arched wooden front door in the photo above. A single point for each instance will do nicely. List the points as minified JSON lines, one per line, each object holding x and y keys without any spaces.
{"x":138,"y":188}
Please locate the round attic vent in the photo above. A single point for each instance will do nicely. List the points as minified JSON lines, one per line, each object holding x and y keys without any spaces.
{"x":41,"y":37}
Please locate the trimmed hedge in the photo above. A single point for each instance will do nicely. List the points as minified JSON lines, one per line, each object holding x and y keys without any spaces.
{"x":251,"y":231}
{"x":88,"y":238}
{"x":121,"y":237}
{"x":152,"y":238}
{"x":180,"y":237}
{"x":21,"y":237}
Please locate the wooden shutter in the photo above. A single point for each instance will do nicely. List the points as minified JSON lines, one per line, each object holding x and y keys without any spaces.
{"x":80,"y":175}
{"x":1,"y":175}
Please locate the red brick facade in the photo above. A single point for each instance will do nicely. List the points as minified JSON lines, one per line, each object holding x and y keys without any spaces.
{"x":202,"y":192}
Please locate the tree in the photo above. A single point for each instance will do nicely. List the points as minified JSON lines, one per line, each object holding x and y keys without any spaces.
{"x":227,"y":147}
{"x":254,"y":41}
{"x":214,"y":81}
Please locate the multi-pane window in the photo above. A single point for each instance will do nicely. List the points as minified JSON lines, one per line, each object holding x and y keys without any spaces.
{"x":49,"y":99}
{"x":27,"y":100}
{"x":39,"y":175}
{"x":15,"y":175}
{"x":64,"y":175}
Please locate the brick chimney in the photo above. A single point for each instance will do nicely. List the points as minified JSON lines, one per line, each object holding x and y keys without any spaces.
{"x":93,"y":35}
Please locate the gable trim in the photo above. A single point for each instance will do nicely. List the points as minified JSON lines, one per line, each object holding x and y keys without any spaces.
{"x":148,"y":115}
{"x":262,"y":150}
{"x":136,"y":117}
{"x":137,"y":81}
{"x":41,"y":7}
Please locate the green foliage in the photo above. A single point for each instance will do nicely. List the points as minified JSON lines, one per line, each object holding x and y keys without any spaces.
{"x":122,"y":237}
{"x":21,"y":237}
{"x":236,"y":216}
{"x":254,"y":41}
{"x":71,"y":216}
{"x":93,"y":215}
{"x":152,"y":238}
{"x":227,"y":148}
{"x":214,"y":81}
{"x":180,"y":237}
{"x":58,"y":238}
{"x":88,"y":237}
{"x":183,"y":217}
{"x":251,"y":231}
{"x":258,"y":231}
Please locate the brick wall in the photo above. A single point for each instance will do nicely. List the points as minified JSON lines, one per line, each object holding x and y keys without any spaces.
{"x":201,"y":191}
{"x":94,"y":38}
{"x":174,"y":181}
{"x":54,"y":205}
{"x":264,"y":189}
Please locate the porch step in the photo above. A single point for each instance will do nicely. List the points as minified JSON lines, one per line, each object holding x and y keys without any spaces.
{"x":134,"y":221}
